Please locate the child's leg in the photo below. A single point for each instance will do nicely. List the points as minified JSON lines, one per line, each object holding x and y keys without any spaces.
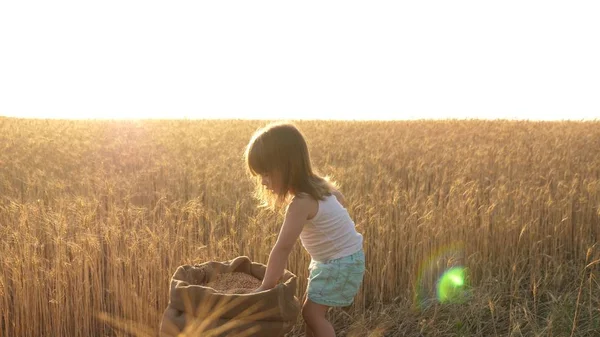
{"x":307,"y":331}
{"x":314,"y":316}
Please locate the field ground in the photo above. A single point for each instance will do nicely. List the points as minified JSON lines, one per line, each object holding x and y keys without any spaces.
{"x":96,"y":216}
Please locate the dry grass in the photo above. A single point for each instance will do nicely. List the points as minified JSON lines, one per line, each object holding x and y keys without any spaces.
{"x":96,"y":216}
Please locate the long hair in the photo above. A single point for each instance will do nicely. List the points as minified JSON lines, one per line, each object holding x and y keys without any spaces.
{"x":280,"y":150}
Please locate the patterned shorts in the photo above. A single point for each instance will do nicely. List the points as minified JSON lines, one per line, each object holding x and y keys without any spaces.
{"x":335,"y":283}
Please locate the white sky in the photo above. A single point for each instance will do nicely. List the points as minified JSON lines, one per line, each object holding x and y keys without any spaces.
{"x":300,"y":60}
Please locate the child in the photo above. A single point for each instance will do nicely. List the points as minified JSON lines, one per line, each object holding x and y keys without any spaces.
{"x":277,"y":156}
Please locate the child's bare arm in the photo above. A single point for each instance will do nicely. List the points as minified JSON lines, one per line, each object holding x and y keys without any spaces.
{"x":340,"y":197}
{"x":295,"y":218}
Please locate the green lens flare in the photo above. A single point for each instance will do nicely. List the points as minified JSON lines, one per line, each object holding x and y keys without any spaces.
{"x":451,"y":286}
{"x":442,"y":277}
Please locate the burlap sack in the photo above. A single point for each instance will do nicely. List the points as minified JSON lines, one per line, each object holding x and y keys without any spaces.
{"x":191,"y":303}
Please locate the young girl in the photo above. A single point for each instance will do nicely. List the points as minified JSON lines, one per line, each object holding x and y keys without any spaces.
{"x":277,"y":157}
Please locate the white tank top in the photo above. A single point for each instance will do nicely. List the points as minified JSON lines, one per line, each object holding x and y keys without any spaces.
{"x":331,"y":233}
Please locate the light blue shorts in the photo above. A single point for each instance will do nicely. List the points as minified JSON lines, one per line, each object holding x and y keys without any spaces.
{"x":335,"y":283}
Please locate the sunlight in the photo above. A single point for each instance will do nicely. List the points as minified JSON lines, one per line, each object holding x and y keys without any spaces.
{"x":270,"y":60}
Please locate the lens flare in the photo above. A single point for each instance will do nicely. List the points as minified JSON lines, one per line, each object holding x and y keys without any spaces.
{"x":442,"y":278}
{"x":452,"y":286}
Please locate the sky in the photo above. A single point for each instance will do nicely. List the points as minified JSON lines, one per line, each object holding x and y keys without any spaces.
{"x":535,"y":60}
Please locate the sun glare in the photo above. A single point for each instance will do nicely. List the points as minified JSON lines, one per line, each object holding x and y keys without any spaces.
{"x":270,"y":60}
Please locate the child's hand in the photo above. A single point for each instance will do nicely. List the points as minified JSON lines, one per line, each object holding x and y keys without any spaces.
{"x":259,"y":289}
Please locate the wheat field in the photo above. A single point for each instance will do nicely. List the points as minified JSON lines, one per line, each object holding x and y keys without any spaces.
{"x":95,"y":216}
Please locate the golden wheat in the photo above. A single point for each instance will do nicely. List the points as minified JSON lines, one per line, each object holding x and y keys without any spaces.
{"x":96,"y":216}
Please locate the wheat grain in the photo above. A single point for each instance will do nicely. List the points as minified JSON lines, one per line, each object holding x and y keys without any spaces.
{"x":234,"y":283}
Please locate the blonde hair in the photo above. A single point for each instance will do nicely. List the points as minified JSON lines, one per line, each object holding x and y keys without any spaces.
{"x":279,"y":149}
